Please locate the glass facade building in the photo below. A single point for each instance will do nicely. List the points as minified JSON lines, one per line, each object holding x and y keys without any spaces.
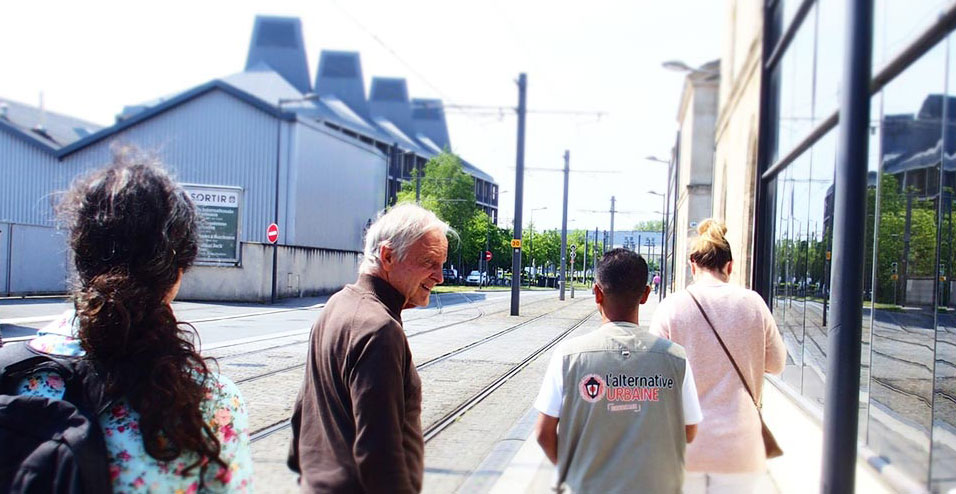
{"x":907,"y":404}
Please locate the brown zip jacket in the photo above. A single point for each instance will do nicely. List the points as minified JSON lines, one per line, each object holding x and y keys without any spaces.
{"x":357,"y":420}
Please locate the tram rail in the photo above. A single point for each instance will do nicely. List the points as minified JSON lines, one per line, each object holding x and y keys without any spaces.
{"x":270,"y":429}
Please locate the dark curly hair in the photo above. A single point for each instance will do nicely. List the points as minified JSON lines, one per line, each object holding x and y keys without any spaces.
{"x":133,"y":231}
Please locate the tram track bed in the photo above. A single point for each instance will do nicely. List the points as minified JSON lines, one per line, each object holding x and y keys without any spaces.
{"x":280,"y":374}
{"x":454,"y":377}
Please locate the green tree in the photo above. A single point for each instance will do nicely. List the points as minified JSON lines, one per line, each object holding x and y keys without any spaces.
{"x":446,"y":190}
{"x":648,"y":226}
{"x":550,"y":249}
{"x":449,"y":192}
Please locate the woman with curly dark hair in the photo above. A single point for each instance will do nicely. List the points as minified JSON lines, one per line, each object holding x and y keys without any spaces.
{"x":173,"y":425}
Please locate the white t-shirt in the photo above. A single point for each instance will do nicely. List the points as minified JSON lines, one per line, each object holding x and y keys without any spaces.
{"x":551,"y":395}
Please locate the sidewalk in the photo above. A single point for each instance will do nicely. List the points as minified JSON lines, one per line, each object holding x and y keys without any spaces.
{"x":797,"y":471}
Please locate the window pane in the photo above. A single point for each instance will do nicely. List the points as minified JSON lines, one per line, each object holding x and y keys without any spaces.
{"x":783,"y":281}
{"x":819,"y":247}
{"x":814,"y":342}
{"x":944,"y":404}
{"x":897,"y":23}
{"x":796,"y":89}
{"x":831,"y":31}
{"x":789,"y":8}
{"x":907,"y":200}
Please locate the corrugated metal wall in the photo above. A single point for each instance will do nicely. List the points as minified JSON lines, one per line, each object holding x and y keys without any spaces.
{"x":214,"y":139}
{"x":28,"y":182}
{"x":339,"y":184}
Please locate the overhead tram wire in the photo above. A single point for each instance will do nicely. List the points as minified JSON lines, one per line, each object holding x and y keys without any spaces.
{"x":501,"y":111}
{"x":389,"y":50}
{"x":559,"y":170}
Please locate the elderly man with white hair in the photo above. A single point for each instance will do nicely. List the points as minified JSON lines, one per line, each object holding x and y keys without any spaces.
{"x":357,"y":420}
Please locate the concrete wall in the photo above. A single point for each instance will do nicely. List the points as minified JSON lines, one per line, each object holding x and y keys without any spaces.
{"x":5,"y":241}
{"x":303,"y":271}
{"x":33,"y":259}
{"x":920,"y":291}
{"x":309,"y":271}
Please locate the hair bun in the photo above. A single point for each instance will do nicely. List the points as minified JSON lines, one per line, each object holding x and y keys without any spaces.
{"x":713,"y":229}
{"x":710,"y":249}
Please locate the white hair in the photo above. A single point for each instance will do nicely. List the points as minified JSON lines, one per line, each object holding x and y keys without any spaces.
{"x":399,"y":228}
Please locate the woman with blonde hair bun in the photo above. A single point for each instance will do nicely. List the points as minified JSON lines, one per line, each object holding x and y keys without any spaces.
{"x":731,"y":340}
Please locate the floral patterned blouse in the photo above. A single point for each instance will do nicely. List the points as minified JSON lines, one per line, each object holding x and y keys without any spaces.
{"x":131,"y":468}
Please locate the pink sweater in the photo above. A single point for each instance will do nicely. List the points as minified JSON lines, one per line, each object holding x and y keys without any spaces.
{"x":728,"y":440}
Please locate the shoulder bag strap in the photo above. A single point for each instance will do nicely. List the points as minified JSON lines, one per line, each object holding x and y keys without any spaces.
{"x":722,"y":345}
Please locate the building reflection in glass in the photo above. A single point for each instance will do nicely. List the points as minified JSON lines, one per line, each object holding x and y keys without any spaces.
{"x":908,"y":373}
{"x":906,"y":268}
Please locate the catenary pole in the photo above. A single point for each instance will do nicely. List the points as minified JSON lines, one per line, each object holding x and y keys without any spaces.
{"x":841,"y":404}
{"x":612,"y":224}
{"x":584,"y":264}
{"x":519,"y":195}
{"x":564,"y":225}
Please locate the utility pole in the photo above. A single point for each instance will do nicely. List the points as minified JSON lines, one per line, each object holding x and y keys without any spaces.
{"x":519,"y":196}
{"x":594,"y":270}
{"x":585,"y":263}
{"x":487,"y":274}
{"x":612,"y":223}
{"x":564,"y":226}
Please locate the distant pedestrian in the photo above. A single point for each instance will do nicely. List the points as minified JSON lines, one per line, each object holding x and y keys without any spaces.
{"x":357,"y":420}
{"x":729,"y":454}
{"x":169,"y":422}
{"x":657,"y":282}
{"x":625,"y":400}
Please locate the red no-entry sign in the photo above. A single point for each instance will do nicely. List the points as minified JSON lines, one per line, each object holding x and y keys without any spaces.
{"x":272,"y":233}
{"x":487,"y":255}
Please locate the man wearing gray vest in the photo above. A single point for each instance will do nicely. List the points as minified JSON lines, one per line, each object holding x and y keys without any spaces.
{"x":626,"y":399}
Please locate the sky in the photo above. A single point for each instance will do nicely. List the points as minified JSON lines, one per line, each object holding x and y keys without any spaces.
{"x":90,"y":59}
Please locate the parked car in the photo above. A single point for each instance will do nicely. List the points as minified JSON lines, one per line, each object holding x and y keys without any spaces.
{"x":450,"y":276}
{"x":475,"y":278}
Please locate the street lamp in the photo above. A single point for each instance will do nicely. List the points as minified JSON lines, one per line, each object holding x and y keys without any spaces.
{"x":655,"y":158}
{"x":275,"y":245}
{"x":679,"y":66}
{"x":534,"y":268}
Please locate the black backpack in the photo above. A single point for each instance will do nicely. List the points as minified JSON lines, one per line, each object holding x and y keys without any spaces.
{"x":51,"y":446}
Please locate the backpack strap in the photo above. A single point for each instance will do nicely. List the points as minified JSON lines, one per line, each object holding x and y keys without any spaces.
{"x":84,"y":388}
{"x":19,"y":361}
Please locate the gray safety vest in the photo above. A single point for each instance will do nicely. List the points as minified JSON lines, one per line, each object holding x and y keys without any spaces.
{"x":621,"y":425}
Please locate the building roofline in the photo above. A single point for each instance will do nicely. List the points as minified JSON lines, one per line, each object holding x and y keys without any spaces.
{"x":194,"y":93}
{"x":169,"y":104}
{"x":19,"y":133}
